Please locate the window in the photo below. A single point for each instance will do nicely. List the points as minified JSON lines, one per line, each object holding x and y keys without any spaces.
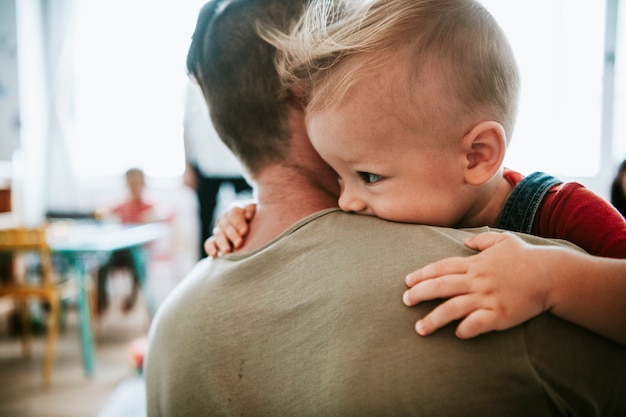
{"x":619,"y":134}
{"x":130,"y":80}
{"x":559,"y":48}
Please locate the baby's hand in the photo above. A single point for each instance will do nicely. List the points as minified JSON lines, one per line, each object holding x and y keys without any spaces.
{"x":230,"y":229}
{"x":495,"y":289}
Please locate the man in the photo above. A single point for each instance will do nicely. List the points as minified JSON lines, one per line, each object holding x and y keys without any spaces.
{"x":285,"y":326}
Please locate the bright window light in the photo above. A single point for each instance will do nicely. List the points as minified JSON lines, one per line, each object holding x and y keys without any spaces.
{"x":619,"y":141}
{"x":130,"y":81}
{"x":559,"y":48}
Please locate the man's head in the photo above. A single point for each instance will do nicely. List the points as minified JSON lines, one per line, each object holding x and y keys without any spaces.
{"x":235,"y":69}
{"x":416,"y":94}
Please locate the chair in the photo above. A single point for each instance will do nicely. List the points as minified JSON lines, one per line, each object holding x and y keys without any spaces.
{"x":17,"y":242}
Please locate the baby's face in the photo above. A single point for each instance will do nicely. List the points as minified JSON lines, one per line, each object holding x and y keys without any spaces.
{"x":388,"y":163}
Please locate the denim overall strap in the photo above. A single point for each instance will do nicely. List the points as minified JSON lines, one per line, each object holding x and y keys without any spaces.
{"x":521,"y":207}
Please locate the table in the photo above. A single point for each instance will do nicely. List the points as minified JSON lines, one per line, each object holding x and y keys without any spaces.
{"x":79,"y":242}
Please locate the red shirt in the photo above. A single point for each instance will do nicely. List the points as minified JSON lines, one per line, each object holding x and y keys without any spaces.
{"x":572,"y":212}
{"x":133,"y":211}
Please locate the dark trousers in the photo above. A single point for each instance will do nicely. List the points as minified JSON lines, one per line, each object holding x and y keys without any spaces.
{"x":119,"y":259}
{"x":207,"y":191}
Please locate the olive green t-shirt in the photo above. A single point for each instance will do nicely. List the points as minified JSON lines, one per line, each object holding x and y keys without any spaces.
{"x":312,"y":324}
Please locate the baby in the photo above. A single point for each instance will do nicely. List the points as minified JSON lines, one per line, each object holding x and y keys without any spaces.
{"x":413,"y":103}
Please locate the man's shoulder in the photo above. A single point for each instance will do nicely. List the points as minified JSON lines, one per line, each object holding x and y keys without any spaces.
{"x":335,"y":219}
{"x":336,"y":237}
{"x":446,"y":241}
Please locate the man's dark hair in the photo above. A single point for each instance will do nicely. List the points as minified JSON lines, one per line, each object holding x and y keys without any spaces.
{"x":235,"y":69}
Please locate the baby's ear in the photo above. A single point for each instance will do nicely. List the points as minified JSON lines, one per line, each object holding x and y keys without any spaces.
{"x":484,"y":147}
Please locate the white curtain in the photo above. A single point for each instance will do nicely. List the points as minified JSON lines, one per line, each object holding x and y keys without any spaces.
{"x":59,"y":25}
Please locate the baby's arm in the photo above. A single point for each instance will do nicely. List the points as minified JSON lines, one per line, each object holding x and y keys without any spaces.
{"x":230,"y":229}
{"x":511,"y":281}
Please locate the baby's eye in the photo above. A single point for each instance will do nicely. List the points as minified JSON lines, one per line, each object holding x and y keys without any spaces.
{"x":370,"y":178}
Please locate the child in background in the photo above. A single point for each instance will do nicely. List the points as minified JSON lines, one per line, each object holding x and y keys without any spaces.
{"x":134,"y":210}
{"x":413,"y":104}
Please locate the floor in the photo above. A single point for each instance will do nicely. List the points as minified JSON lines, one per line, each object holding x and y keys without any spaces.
{"x":72,"y":393}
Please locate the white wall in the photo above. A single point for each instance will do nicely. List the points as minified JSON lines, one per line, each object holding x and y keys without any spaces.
{"x":9,"y":133}
{"x":30,"y":163}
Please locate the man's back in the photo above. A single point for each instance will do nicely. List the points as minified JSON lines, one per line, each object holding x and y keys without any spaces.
{"x":313,"y":325}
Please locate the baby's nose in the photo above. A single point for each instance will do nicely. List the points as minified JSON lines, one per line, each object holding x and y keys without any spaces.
{"x":348,"y":201}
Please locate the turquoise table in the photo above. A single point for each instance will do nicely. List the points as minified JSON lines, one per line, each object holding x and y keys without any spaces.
{"x":83,"y":245}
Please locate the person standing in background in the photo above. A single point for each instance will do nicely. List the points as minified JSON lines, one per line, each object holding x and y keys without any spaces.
{"x":209,"y":163}
{"x":618,"y":189}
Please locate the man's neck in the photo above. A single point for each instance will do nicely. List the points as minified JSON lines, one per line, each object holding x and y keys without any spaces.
{"x":285,"y":196}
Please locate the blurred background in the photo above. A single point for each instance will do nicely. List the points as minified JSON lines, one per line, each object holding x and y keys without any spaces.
{"x":89,"y":89}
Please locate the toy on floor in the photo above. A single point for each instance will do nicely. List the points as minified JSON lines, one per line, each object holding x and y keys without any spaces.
{"x":138,"y":348}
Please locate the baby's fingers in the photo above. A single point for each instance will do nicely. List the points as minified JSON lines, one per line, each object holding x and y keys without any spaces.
{"x":442,"y":287}
{"x":249,"y":211}
{"x":437,"y":269}
{"x":478,"y":322}
{"x":234,"y":222}
{"x":448,"y":311}
{"x":212,"y":248}
{"x":483,"y":241}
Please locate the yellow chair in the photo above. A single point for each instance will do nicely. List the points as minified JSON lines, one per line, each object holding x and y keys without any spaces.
{"x":18,"y":241}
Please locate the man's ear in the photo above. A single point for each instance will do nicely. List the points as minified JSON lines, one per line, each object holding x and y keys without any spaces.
{"x":484,"y":147}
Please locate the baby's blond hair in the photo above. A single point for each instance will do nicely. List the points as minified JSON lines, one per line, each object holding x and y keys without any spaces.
{"x":338,"y":42}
